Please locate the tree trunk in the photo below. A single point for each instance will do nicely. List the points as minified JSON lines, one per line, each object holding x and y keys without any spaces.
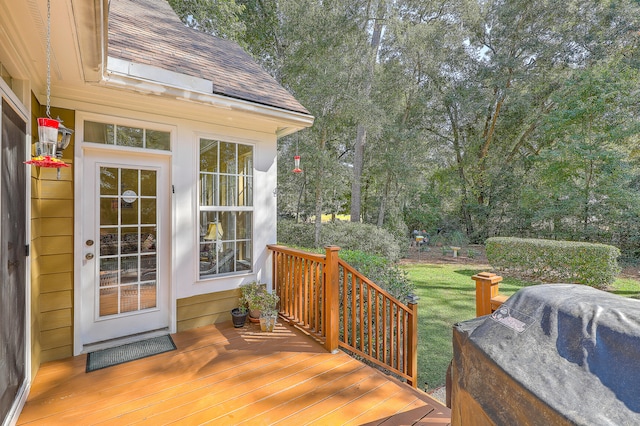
{"x":358,"y":162}
{"x":488,"y":133}
{"x":383,"y":202}
{"x":587,"y":195}
{"x":361,"y":135}
{"x":460,"y":167}
{"x":319,"y":183}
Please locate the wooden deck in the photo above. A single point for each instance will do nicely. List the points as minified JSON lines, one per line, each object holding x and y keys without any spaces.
{"x":225,"y":376}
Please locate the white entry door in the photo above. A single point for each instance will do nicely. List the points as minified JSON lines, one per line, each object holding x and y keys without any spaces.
{"x":125,"y":245}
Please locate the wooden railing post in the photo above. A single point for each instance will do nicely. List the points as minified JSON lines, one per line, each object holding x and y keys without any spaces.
{"x":412,"y":346}
{"x":487,"y":285}
{"x":332,"y":299}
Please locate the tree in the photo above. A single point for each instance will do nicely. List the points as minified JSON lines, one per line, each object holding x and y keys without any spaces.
{"x":219,"y":18}
{"x":586,"y":171}
{"x":491,"y":117}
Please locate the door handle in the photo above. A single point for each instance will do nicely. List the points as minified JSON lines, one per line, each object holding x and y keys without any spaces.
{"x":88,"y":256}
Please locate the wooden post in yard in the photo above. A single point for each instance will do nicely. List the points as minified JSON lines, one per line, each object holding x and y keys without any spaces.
{"x":487,"y":285}
{"x":412,"y":331}
{"x":332,"y":298}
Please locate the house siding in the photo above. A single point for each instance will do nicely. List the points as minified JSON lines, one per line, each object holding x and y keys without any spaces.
{"x":52,"y":224}
{"x":205,"y":309}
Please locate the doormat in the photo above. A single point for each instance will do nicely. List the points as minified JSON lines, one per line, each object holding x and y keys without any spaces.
{"x":129,"y":352}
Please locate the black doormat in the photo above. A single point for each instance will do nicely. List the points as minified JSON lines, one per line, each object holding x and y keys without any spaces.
{"x":129,"y":352}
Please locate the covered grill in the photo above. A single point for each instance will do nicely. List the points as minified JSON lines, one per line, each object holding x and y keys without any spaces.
{"x":551,"y":355}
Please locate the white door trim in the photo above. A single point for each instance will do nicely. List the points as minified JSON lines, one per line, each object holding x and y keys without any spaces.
{"x":79,"y":249}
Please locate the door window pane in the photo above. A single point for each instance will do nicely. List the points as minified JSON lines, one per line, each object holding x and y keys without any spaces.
{"x":130,"y":136}
{"x":148,"y":210}
{"x":128,"y":252}
{"x":148,"y":183}
{"x":158,"y":140}
{"x":99,"y":133}
{"x":126,"y":136}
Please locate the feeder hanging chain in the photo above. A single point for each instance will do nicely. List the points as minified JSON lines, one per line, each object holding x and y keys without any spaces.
{"x":49,"y":58}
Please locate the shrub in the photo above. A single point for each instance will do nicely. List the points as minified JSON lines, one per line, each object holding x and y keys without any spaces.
{"x":291,"y":233}
{"x":547,"y":260}
{"x":381,"y":271}
{"x":346,"y":235}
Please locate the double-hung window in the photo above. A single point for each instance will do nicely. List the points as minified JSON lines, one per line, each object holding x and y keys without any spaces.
{"x":226,"y":208}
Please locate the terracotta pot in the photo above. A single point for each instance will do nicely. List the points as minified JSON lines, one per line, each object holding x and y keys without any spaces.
{"x":254,"y":316}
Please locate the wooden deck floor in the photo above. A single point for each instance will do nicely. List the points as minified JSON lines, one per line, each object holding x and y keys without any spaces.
{"x":225,"y":376}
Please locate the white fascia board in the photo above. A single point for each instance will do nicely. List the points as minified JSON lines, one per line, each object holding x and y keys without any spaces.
{"x":158,"y":75}
{"x":152,"y":80}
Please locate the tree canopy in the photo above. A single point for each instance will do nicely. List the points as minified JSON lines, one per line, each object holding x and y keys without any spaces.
{"x":486,"y":118}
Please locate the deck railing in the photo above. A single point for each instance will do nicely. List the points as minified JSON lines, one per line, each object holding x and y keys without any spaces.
{"x":332,"y":301}
{"x":488,"y":299}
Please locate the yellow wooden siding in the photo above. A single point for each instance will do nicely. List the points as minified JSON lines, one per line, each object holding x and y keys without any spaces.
{"x":57,"y":319}
{"x":56,"y":300}
{"x":52,"y":225}
{"x":57,"y":208}
{"x":55,"y":245}
{"x":205,"y":309}
{"x":56,"y":282}
{"x":53,"y":189}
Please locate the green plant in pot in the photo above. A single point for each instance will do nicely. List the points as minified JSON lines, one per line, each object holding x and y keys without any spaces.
{"x":250,"y":296}
{"x":268,"y":311}
{"x":239,"y":315}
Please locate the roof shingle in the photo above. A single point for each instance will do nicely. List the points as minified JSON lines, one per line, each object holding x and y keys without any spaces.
{"x":149,"y":32}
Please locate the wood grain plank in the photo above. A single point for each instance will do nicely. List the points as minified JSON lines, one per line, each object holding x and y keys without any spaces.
{"x":223,"y":375}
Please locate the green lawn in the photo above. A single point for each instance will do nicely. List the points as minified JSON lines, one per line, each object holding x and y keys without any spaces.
{"x":447,"y":296}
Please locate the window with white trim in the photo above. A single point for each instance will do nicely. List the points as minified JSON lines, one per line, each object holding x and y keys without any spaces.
{"x":225,"y":208}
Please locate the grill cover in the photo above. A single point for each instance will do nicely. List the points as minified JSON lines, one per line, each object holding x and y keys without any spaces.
{"x":551,"y":355}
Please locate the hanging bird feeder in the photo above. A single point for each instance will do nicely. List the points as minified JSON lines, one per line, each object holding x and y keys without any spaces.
{"x":296,"y":160}
{"x":53,"y":136}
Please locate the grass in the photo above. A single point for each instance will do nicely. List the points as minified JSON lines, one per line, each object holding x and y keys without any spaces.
{"x":447,"y":296}
{"x":626,"y":287}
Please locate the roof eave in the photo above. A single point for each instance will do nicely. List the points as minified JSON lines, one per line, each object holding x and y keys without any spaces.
{"x":147,"y":79}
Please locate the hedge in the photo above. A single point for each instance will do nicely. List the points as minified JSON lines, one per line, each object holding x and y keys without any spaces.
{"x":347,"y":235}
{"x":560,"y":261}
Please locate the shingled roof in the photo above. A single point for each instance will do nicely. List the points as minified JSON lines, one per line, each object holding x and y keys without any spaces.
{"x":149,"y":32}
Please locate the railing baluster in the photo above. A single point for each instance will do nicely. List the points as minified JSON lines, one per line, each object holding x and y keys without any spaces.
{"x":308,"y":303}
{"x":361,"y":307}
{"x":404,"y":340}
{"x":345,"y":312}
{"x":369,"y":319}
{"x":384,"y":329}
{"x":353,"y":309}
{"x":318,"y":295}
{"x":398,"y":337}
{"x":392,"y":337}
{"x":308,"y":300}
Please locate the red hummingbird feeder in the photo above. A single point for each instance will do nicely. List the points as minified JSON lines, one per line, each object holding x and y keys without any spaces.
{"x":297,"y":168}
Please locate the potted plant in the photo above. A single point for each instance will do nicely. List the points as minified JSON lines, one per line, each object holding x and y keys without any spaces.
{"x":268,"y":311}
{"x":251,"y":296}
{"x":239,"y":316}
